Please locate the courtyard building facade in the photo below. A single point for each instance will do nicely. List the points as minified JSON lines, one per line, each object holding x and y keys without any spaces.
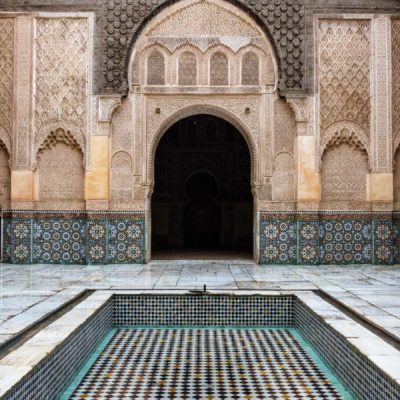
{"x":131,"y":130}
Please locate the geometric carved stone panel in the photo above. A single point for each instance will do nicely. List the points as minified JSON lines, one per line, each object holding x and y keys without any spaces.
{"x":5,"y":177}
{"x":156,"y":69}
{"x":396,"y":80}
{"x":284,"y":127}
{"x":187,"y":69}
{"x":396,"y":176}
{"x":344,"y":174}
{"x":219,"y":73}
{"x":283,"y":178}
{"x":6,"y":73}
{"x":61,"y":76}
{"x":344,"y":64}
{"x":61,"y":172}
{"x":121,"y":177}
{"x":250,"y":69}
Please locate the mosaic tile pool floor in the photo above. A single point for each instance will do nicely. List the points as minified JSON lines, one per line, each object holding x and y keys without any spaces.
{"x":205,"y":363}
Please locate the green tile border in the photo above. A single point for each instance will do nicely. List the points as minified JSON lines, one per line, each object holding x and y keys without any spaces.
{"x":77,"y":378}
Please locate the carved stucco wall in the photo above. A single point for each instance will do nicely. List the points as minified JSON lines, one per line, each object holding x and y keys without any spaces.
{"x":283,"y":177}
{"x":283,"y":186}
{"x":344,"y":68}
{"x":283,"y":22}
{"x":122,"y":129}
{"x":396,"y":82}
{"x":284,"y":128}
{"x":5,"y":177}
{"x":121,"y":177}
{"x":250,"y":69}
{"x":396,"y":107}
{"x":121,"y":173}
{"x":344,"y":173}
{"x":156,"y":68}
{"x":213,"y":52}
{"x":61,"y":85}
{"x":60,"y":169}
{"x":396,"y":177}
{"x":216,"y":64}
{"x":187,"y":68}
{"x":6,"y":79}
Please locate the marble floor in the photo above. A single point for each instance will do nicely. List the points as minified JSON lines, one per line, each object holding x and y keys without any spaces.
{"x":30,"y":292}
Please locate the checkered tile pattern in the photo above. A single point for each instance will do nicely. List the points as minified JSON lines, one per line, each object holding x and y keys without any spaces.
{"x":196,"y":363}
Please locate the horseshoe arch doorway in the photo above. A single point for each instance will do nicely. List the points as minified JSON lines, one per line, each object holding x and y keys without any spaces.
{"x":202,"y":204}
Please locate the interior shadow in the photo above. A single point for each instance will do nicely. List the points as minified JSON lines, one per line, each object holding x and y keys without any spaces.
{"x":202,"y":205}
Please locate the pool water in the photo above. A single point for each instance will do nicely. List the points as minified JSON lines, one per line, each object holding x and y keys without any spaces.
{"x":204,"y":363}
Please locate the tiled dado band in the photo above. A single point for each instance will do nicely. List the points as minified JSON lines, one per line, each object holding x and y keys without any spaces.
{"x":329,"y":237}
{"x":73,"y":237}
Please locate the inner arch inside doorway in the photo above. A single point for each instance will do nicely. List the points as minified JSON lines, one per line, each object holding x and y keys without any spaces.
{"x":202,"y":205}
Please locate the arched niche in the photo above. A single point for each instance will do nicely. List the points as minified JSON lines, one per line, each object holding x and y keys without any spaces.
{"x":60,"y":172}
{"x":344,"y":172}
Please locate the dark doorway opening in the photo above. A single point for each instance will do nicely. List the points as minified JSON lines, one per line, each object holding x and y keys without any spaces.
{"x":202,"y":205}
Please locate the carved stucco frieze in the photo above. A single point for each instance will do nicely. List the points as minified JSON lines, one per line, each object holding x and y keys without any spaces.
{"x":283,"y":22}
